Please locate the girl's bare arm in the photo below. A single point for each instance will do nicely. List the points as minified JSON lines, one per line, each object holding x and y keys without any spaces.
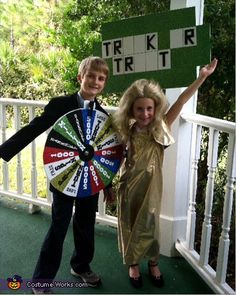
{"x":176,"y":108}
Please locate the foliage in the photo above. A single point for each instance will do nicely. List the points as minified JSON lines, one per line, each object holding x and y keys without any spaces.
{"x":31,"y":66}
{"x":34,"y":77}
{"x":216,"y":96}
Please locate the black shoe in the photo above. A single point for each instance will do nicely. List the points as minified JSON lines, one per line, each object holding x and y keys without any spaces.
{"x":136,"y":282}
{"x":157,"y":281}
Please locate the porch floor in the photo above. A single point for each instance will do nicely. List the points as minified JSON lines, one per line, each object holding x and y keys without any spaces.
{"x":21,"y":236}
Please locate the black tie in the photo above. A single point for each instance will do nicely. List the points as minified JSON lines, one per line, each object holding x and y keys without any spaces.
{"x":91,"y":103}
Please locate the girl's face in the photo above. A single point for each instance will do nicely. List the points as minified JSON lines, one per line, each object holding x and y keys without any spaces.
{"x":143,"y":111}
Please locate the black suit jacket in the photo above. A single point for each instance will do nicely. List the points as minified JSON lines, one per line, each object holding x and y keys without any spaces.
{"x":57,"y":107}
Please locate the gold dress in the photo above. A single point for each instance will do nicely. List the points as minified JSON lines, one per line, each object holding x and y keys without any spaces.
{"x":139,"y":196}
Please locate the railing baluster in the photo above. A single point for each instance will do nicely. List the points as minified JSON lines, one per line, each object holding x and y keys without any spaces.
{"x":33,"y":159}
{"x":19,"y":172}
{"x":34,"y":174}
{"x":5,"y":171}
{"x":207,"y":226}
{"x":101,"y":205}
{"x":196,"y":144}
{"x":223,"y":250}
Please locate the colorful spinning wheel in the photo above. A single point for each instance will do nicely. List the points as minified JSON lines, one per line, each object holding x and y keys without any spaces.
{"x":82,"y":153}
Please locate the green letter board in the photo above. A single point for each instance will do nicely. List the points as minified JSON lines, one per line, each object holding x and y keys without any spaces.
{"x":165,"y":47}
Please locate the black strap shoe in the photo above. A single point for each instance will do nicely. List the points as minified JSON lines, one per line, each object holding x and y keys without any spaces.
{"x":157,"y":281}
{"x":136,"y":282}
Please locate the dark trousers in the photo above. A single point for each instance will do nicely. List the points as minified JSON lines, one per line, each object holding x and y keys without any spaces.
{"x":83,"y":229}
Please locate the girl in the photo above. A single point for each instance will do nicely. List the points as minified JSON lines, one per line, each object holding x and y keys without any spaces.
{"x":144,"y":125}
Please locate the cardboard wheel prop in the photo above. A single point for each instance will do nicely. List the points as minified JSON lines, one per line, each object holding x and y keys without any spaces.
{"x":82,"y":153}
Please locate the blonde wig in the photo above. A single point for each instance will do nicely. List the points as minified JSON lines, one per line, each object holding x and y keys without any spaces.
{"x":142,"y":88}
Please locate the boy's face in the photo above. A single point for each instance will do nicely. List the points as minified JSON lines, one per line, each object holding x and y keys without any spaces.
{"x":91,"y":83}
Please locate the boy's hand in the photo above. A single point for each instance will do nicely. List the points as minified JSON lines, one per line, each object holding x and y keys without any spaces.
{"x":208,"y":69}
{"x":109,"y":195}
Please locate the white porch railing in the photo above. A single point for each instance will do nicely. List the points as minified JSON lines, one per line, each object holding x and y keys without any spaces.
{"x":200,"y":261}
{"x":214,"y":278}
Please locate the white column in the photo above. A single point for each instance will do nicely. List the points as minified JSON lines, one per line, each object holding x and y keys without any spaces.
{"x":177,"y":162}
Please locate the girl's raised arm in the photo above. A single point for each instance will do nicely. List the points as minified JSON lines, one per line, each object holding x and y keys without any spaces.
{"x":176,"y":108}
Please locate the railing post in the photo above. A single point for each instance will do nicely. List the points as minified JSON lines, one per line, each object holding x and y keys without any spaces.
{"x":223,"y":250}
{"x":34,"y":191}
{"x":101,"y":205}
{"x":196,"y":144}
{"x":19,"y":172}
{"x":207,"y":226}
{"x":5,"y":171}
{"x":33,"y":159}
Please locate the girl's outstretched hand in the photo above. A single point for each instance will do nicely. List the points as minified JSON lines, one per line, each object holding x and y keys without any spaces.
{"x":208,"y":69}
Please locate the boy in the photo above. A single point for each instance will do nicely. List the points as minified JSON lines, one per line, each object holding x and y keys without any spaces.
{"x":92,"y":76}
